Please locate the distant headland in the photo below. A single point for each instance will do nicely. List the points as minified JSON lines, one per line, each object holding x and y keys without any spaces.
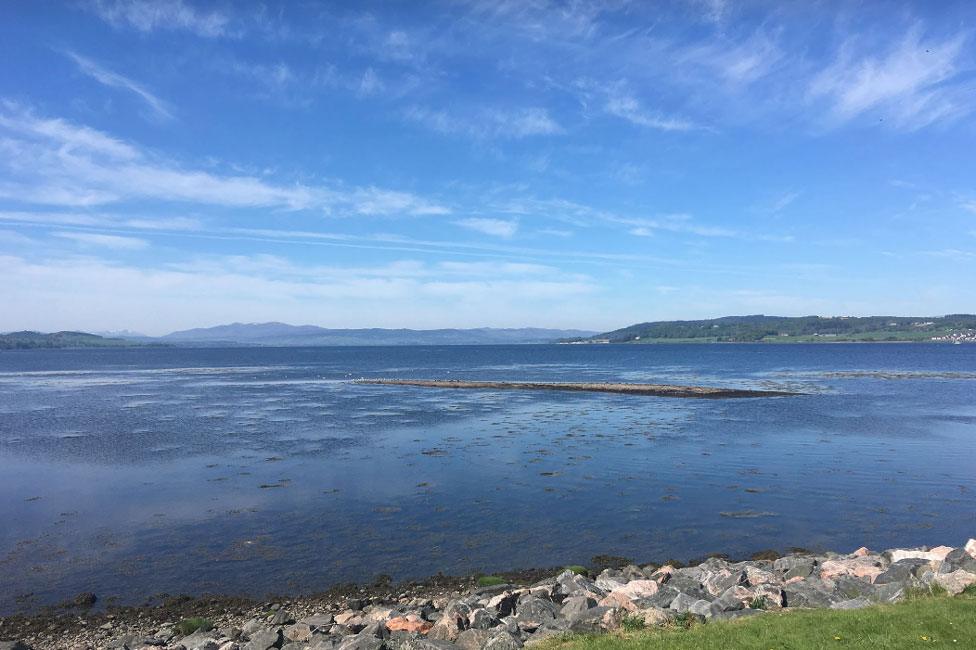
{"x":956,"y":328}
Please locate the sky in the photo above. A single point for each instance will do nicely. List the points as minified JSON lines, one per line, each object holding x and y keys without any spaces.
{"x":167,"y":164}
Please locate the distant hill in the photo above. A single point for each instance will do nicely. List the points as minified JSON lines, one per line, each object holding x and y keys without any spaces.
{"x":310,"y":335}
{"x":803,"y":329}
{"x":30,"y":340}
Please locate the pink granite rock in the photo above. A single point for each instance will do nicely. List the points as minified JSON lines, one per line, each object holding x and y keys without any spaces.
{"x":956,"y":581}
{"x":638,"y":589}
{"x":618,"y":599}
{"x":404,"y":624}
{"x":860,"y":567}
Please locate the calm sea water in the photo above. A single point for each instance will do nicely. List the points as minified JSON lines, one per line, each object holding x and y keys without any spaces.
{"x":257,"y":471}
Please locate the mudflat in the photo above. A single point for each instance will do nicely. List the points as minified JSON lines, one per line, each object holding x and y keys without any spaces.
{"x":655,"y":390}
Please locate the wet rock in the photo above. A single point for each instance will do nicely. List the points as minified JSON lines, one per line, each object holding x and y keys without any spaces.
{"x":355,"y":604}
{"x":84,"y":599}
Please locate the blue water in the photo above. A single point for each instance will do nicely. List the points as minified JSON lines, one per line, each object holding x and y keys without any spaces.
{"x":256,"y":471}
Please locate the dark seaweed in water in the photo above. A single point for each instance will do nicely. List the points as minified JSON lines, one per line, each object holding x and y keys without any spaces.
{"x":248,"y":471}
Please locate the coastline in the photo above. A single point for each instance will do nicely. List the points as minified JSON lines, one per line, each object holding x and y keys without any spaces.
{"x":504,"y":611}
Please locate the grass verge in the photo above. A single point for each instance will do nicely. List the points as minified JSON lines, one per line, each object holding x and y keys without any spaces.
{"x":919,"y":622}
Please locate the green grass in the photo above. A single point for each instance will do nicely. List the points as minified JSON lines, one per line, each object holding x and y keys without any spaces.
{"x":490,"y":581}
{"x":191,"y":625}
{"x":919,"y":622}
{"x":577,"y":569}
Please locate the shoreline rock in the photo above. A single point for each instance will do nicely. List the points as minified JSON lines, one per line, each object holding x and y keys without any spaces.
{"x":445,"y":615}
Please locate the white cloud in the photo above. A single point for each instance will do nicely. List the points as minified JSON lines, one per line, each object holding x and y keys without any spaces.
{"x":114,"y":80}
{"x":54,"y":162}
{"x":618,"y":101}
{"x":907,"y":85}
{"x":494,"y":227}
{"x":370,"y":83}
{"x":152,"y":15}
{"x":628,"y":108}
{"x":487,"y":123}
{"x":93,"y":294}
{"x":108,"y":241}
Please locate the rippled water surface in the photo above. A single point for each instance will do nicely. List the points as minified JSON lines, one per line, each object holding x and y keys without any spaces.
{"x":256,"y":471}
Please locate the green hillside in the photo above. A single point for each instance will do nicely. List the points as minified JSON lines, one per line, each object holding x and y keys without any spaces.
{"x":33,"y":340}
{"x":781,"y":329}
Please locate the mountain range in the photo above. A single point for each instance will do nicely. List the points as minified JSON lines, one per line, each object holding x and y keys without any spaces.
{"x":956,"y":328}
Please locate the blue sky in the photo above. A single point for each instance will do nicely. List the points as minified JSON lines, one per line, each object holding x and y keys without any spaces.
{"x":172,"y":164}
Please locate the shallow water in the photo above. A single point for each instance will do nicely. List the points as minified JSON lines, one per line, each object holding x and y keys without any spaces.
{"x":256,"y":471}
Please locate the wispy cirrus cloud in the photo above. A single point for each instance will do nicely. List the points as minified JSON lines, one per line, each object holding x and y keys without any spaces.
{"x":616,"y":99}
{"x":629,"y":108}
{"x":909,"y":85}
{"x":152,"y":15}
{"x":487,"y":123}
{"x":494,"y":227}
{"x":106,"y":77}
{"x":50,"y":161}
{"x":108,"y":241}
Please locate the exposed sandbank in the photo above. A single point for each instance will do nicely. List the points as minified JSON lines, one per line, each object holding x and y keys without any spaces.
{"x":655,"y":390}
